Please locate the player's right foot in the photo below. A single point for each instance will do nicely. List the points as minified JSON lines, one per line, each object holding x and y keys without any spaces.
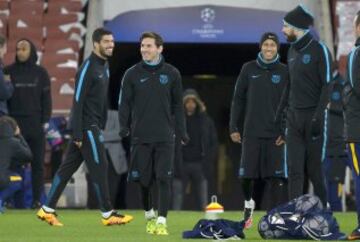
{"x":248,"y":213}
{"x":355,"y":234}
{"x":116,"y":219}
{"x":161,"y":229}
{"x":151,"y":226}
{"x":50,"y":218}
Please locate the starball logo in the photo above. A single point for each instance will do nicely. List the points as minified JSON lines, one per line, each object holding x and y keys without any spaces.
{"x":208,"y":30}
{"x":208,"y":15}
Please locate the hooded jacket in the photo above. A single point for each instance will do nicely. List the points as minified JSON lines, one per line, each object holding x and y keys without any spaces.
{"x":14,"y":151}
{"x":32,"y":92}
{"x":208,"y":137}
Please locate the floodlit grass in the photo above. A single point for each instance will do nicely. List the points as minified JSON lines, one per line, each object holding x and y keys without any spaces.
{"x":85,"y":225}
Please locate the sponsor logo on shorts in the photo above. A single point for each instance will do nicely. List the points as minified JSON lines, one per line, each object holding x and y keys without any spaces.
{"x":135,"y":174}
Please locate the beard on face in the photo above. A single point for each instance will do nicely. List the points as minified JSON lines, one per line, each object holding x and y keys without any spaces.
{"x":103,"y":52}
{"x":290,"y":37}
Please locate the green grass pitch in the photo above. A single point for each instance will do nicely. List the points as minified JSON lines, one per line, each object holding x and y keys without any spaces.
{"x":85,"y":225}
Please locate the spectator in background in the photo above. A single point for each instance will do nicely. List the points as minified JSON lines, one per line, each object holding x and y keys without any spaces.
{"x":199,"y":155}
{"x":14,"y":151}
{"x":117,"y":168}
{"x":336,"y":158}
{"x":30,"y":105}
{"x":6,"y":88}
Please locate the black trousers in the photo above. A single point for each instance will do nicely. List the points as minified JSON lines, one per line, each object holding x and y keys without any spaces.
{"x":93,"y":152}
{"x":117,"y":188}
{"x":194,"y":175}
{"x":32,"y":130}
{"x":304,"y":154}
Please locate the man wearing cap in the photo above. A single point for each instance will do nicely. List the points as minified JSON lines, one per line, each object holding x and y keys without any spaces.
{"x":309,"y":63}
{"x":262,"y":143}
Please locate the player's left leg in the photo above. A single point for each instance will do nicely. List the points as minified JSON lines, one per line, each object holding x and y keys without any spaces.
{"x":93,"y":151}
{"x":274,"y":169}
{"x":164,"y":158}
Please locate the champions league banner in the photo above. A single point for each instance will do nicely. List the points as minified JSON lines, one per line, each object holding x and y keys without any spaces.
{"x":198,"y":24}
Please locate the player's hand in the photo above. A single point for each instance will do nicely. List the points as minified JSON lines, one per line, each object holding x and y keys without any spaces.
{"x":7,"y":78}
{"x":279,"y":141}
{"x":78,"y":144}
{"x":17,"y":131}
{"x":235,"y":137}
{"x":185,"y":139}
{"x":124,"y":132}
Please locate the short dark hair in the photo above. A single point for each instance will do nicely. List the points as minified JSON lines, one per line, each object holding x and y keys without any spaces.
{"x":2,"y":40}
{"x":357,"y":19}
{"x":10,"y":121}
{"x":99,"y":33}
{"x":158,"y":39}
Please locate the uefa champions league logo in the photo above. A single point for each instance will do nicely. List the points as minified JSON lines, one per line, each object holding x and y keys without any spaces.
{"x":207,"y":30}
{"x":208,"y":15}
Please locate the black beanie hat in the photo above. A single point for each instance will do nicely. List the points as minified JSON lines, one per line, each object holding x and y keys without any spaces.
{"x":299,"y":18}
{"x":269,"y":35}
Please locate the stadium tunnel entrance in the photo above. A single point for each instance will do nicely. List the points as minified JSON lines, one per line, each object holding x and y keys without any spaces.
{"x":212,"y":70}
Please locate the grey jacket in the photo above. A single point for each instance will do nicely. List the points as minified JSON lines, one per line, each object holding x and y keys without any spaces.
{"x":112,"y":143}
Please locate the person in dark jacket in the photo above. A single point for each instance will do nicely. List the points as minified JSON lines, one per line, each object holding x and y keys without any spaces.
{"x":88,"y":119}
{"x":336,"y":158}
{"x":309,"y":63}
{"x":257,"y":94}
{"x":14,"y":152}
{"x":6,"y":88}
{"x":198,"y":157}
{"x":30,"y":105}
{"x":352,"y":118}
{"x":150,"y":97}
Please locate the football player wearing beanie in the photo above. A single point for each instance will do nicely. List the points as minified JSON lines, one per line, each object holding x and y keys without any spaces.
{"x":306,"y":96}
{"x":261,"y":138}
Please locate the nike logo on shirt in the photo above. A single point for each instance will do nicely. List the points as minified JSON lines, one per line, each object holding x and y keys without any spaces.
{"x":255,"y":76}
{"x":144,"y":79}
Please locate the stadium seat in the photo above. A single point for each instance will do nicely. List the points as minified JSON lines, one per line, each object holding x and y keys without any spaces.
{"x":17,"y":20}
{"x":4,"y":5}
{"x":57,"y":7}
{"x":53,"y":59}
{"x":38,"y":42}
{"x":28,"y":7}
{"x":57,"y":33}
{"x":57,"y":73}
{"x":9,"y":57}
{"x":51,"y":20}
{"x":36,"y":34}
{"x":3,"y":24}
{"x":57,"y":45}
